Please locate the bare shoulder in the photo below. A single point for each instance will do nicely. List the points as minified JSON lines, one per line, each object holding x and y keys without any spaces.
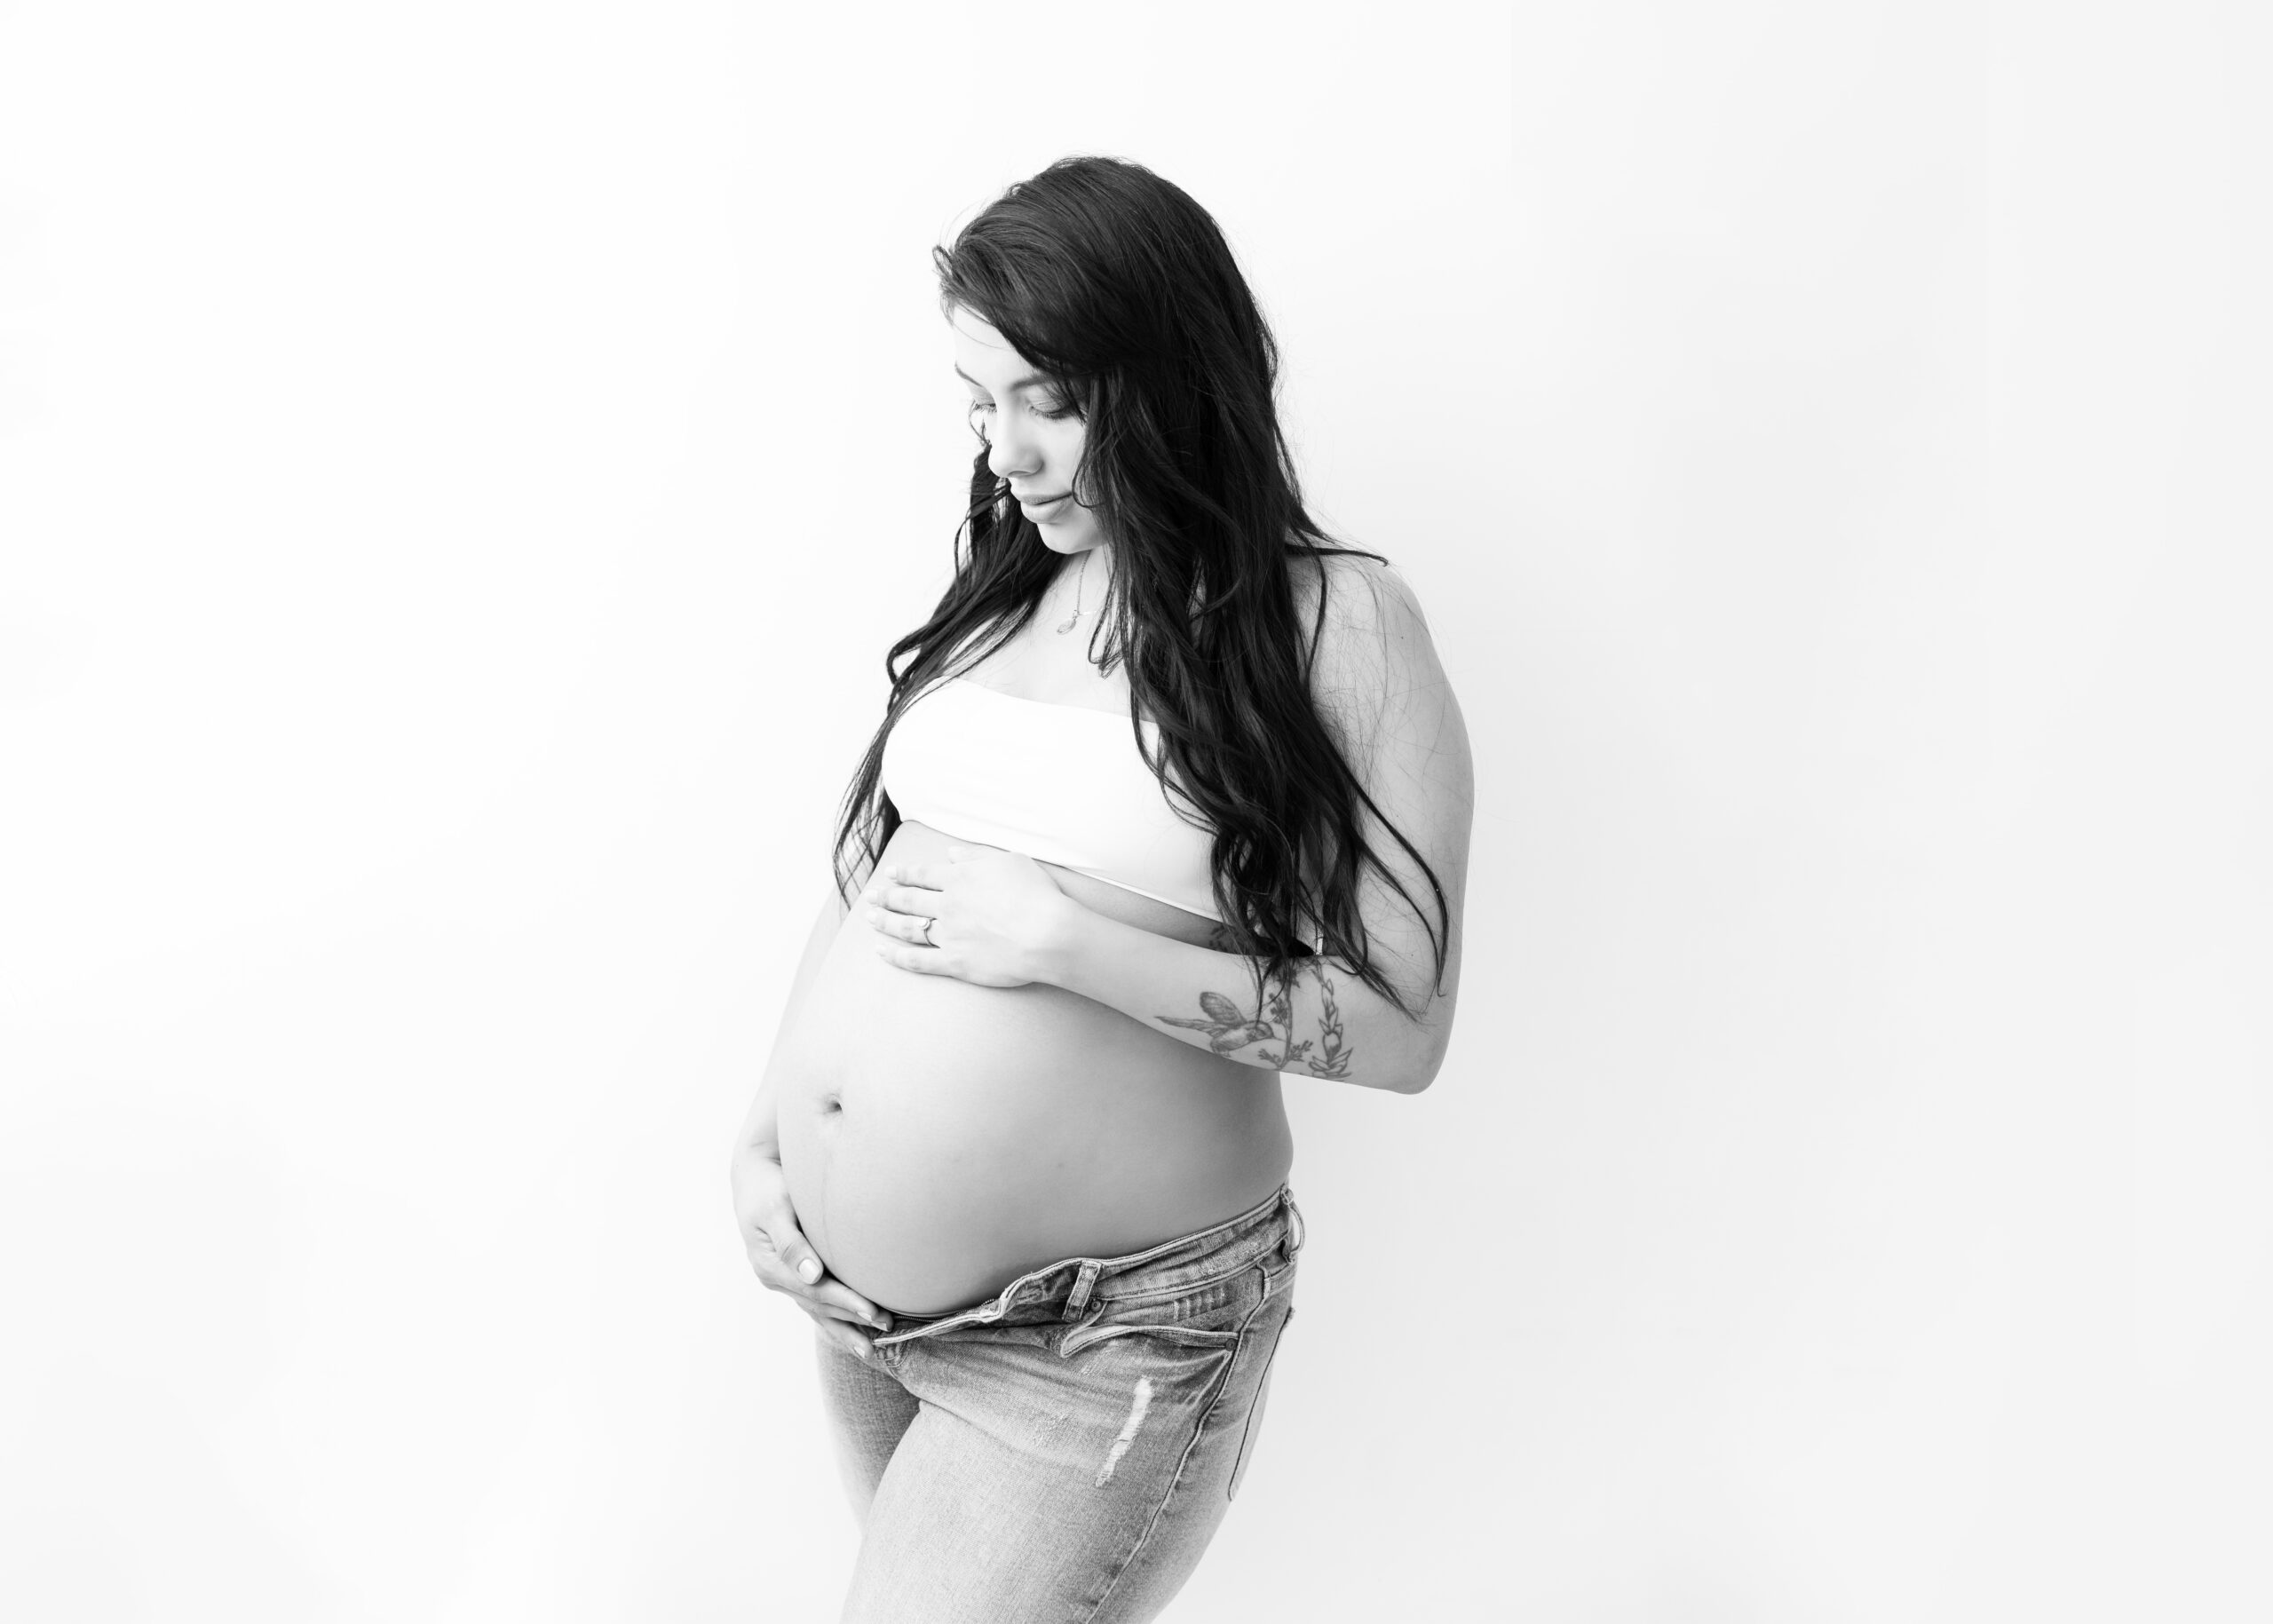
{"x":1352,"y":584}
{"x":1363,"y":626}
{"x":1374,"y":671}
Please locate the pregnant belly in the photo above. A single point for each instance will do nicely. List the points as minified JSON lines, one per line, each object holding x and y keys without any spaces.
{"x":941,"y":1139}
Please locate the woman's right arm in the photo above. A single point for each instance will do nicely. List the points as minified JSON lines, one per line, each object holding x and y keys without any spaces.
{"x":777,"y":1246}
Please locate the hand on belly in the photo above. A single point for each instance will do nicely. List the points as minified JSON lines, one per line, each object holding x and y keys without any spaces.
{"x":940,"y":1138}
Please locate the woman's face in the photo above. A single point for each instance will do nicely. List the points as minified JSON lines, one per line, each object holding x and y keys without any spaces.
{"x":1034,"y":435}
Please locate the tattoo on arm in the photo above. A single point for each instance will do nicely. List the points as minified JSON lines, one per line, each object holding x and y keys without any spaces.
{"x":1231,"y":1029}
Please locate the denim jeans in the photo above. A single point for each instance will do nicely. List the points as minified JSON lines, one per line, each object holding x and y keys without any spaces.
{"x":1065,"y":1449}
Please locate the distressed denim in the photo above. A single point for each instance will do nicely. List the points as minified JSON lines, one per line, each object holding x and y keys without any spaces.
{"x":1065,"y":1449}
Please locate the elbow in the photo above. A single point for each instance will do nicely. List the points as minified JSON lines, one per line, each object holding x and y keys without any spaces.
{"x":1414,"y":1081}
{"x":1415,"y":1071}
{"x":1435,"y":1036}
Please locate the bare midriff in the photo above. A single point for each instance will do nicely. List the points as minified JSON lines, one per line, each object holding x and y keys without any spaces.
{"x":940,"y":1139}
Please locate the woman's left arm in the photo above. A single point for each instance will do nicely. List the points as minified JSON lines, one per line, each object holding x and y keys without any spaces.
{"x":998,"y":919}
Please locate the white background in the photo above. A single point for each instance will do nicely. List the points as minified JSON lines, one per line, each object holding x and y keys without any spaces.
{"x":461,"y":464}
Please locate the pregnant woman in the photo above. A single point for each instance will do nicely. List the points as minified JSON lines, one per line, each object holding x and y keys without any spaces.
{"x":1170,"y":798}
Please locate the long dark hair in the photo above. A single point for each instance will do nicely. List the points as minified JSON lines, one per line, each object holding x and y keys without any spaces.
{"x":1120,"y":288}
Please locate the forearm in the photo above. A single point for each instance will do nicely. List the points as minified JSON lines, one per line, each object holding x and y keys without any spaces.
{"x":1316,"y":1021}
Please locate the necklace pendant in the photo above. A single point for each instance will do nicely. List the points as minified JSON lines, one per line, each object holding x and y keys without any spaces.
{"x":1068,"y":624}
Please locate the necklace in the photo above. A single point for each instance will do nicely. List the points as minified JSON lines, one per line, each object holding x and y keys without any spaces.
{"x":1068,"y":624}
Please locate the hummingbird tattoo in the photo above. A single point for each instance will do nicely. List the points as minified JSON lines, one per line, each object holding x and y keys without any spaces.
{"x":1229,"y":1029}
{"x":1226,"y":1026}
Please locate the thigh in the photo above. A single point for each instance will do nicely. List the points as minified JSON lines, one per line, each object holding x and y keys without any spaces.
{"x":868,"y":1413}
{"x":1042,"y":1484}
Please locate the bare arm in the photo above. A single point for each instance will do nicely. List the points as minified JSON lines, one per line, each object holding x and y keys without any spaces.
{"x":996,"y":918}
{"x":1381,"y":688}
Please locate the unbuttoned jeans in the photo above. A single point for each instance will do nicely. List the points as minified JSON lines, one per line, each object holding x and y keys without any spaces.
{"x":1065,"y":1449}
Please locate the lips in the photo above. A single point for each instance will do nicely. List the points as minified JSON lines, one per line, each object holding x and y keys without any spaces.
{"x":1040,"y":502}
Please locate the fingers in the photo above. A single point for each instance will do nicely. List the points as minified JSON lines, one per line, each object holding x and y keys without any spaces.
{"x":840,"y":1335}
{"x":923,"y":961}
{"x":931,"y":877}
{"x":905,"y":913}
{"x":786,"y":1261}
{"x":779,"y":1228}
{"x":904,"y":899}
{"x":917,"y":928}
{"x":841,"y":1302}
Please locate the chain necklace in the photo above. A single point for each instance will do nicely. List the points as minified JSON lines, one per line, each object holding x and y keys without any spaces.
{"x":1070,"y":620}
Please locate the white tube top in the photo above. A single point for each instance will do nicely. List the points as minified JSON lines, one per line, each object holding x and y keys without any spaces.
{"x":1059,"y":783}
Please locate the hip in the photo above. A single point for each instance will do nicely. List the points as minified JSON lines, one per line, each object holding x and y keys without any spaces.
{"x":1066,"y":1445}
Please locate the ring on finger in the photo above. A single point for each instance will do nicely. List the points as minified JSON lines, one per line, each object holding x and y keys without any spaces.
{"x":929,"y":921}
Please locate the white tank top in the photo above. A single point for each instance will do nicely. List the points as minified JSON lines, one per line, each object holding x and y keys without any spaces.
{"x":1059,"y":783}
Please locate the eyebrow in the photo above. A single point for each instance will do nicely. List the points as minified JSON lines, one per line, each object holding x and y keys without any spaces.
{"x":1027,"y":382}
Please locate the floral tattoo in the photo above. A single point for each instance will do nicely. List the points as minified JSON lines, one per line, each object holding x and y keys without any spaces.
{"x":1231,"y":1029}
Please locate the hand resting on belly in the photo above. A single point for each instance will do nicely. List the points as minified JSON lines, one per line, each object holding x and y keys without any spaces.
{"x":941,"y":1137}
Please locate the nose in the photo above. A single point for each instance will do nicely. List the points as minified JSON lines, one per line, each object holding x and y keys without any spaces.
{"x":1011,"y":451}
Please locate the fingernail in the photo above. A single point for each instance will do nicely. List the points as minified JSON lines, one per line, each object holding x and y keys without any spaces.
{"x":859,"y":1349}
{"x":809,"y":1270}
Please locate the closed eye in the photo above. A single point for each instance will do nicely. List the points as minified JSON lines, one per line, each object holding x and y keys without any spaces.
{"x":1050,"y":413}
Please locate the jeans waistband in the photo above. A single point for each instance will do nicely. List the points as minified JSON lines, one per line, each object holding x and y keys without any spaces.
{"x":1069,"y":1288}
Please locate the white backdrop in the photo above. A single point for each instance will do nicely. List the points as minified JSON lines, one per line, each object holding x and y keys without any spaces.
{"x":461,"y":465}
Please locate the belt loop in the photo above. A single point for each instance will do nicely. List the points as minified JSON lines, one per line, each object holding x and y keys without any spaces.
{"x":1298,"y":1232}
{"x":1084,"y":1284}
